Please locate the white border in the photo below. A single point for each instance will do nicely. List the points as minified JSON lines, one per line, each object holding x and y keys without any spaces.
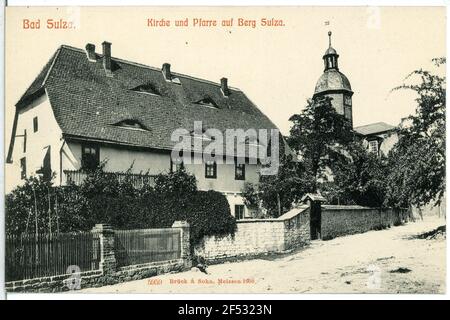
{"x":229,"y":3}
{"x":2,"y":159}
{"x":187,"y":296}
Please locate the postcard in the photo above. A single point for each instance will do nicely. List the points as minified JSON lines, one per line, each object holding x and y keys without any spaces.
{"x":225,"y":149}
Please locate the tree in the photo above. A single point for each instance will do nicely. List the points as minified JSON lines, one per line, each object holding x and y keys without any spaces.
{"x":277,"y":193}
{"x":359,"y":177}
{"x":417,"y":161}
{"x":318,"y":134}
{"x":26,"y":207}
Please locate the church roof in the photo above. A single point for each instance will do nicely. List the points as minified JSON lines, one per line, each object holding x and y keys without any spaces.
{"x":374,"y":128}
{"x":332,"y":80}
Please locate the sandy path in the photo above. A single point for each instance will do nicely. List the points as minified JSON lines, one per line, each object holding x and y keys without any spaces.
{"x":353,"y":264}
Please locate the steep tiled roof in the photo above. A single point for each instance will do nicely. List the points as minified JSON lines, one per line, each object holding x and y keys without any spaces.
{"x":87,"y":103}
{"x":374,"y":128}
{"x":39,"y":82}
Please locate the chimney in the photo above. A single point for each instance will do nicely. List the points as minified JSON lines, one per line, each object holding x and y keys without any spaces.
{"x":107,"y":57}
{"x":166,"y":71}
{"x":90,"y":51}
{"x":224,"y":87}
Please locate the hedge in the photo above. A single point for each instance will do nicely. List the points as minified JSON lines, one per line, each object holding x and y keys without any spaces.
{"x":103,"y":199}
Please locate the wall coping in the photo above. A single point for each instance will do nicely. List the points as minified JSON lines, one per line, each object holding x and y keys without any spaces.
{"x":293,"y":212}
{"x":287,"y":216}
{"x":351,"y":207}
{"x":258,"y":220}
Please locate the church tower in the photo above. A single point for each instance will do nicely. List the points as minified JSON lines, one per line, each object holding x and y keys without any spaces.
{"x":334,"y":84}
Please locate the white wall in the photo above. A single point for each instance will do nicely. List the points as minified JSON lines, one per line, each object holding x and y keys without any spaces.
{"x":119,"y":160}
{"x":225,"y":177}
{"x":48,"y":134}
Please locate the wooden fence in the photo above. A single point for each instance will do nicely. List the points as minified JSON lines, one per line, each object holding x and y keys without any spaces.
{"x":138,"y":180}
{"x":29,"y":256}
{"x":146,"y":245}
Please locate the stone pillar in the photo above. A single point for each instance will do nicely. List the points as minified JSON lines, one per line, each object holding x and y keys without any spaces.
{"x":185,"y":242}
{"x":107,"y":256}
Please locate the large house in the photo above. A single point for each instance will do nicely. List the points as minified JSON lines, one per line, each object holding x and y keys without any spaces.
{"x":85,"y":108}
{"x":378,"y":137}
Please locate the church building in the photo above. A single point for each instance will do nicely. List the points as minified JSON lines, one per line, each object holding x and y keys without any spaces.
{"x":378,"y":137}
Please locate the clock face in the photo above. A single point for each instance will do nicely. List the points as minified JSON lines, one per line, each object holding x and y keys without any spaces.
{"x":348,"y":100}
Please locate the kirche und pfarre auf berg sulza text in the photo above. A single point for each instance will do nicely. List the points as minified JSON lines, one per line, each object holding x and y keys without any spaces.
{"x":211,"y":23}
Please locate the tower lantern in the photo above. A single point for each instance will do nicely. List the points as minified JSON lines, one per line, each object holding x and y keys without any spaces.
{"x":334,"y":84}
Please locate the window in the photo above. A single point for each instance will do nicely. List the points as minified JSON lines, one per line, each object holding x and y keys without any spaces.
{"x":23,"y":168}
{"x":239,"y":171}
{"x":147,"y":88}
{"x":208,"y":102}
{"x":211,"y":169}
{"x":35,"y":124}
{"x":46,"y":169}
{"x":348,"y":100}
{"x":202,"y":136}
{"x":373,"y":146}
{"x":348,"y":112}
{"x":90,"y":157}
{"x":252,"y":141}
{"x":131,"y":124}
{"x":239,"y":211}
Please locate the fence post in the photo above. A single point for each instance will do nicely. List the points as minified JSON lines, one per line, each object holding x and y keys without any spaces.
{"x":107,"y":255}
{"x":185,"y":242}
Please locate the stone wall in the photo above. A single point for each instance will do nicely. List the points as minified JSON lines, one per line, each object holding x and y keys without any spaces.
{"x":255,"y":237}
{"x":345,"y":220}
{"x":96,"y":278}
{"x":296,"y":229}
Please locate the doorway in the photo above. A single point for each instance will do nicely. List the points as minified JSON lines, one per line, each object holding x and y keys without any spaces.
{"x":315,"y":220}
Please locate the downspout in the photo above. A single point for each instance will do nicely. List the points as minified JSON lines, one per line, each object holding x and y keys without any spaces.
{"x":60,"y":162}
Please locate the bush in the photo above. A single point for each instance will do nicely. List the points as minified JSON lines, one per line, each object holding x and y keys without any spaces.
{"x":102,"y":198}
{"x":178,"y":182}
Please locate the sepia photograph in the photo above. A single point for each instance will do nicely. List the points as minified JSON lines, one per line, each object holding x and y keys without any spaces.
{"x":225,"y":150}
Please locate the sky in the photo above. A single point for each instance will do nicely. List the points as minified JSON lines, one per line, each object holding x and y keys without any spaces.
{"x":276,"y":67}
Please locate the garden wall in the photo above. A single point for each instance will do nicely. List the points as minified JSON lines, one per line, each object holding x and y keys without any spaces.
{"x":255,"y":237}
{"x":344,"y":220}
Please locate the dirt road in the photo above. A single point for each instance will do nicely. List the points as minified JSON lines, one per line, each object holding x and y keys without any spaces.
{"x":387,"y":261}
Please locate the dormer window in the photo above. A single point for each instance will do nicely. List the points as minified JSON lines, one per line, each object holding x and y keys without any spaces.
{"x":252,"y":141}
{"x":148,"y":88}
{"x":202,"y":135}
{"x":207,"y":102}
{"x":131,"y":124}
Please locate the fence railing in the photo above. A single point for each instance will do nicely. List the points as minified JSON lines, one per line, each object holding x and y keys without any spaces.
{"x":146,"y":245}
{"x":138,"y":180}
{"x":33,"y":256}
